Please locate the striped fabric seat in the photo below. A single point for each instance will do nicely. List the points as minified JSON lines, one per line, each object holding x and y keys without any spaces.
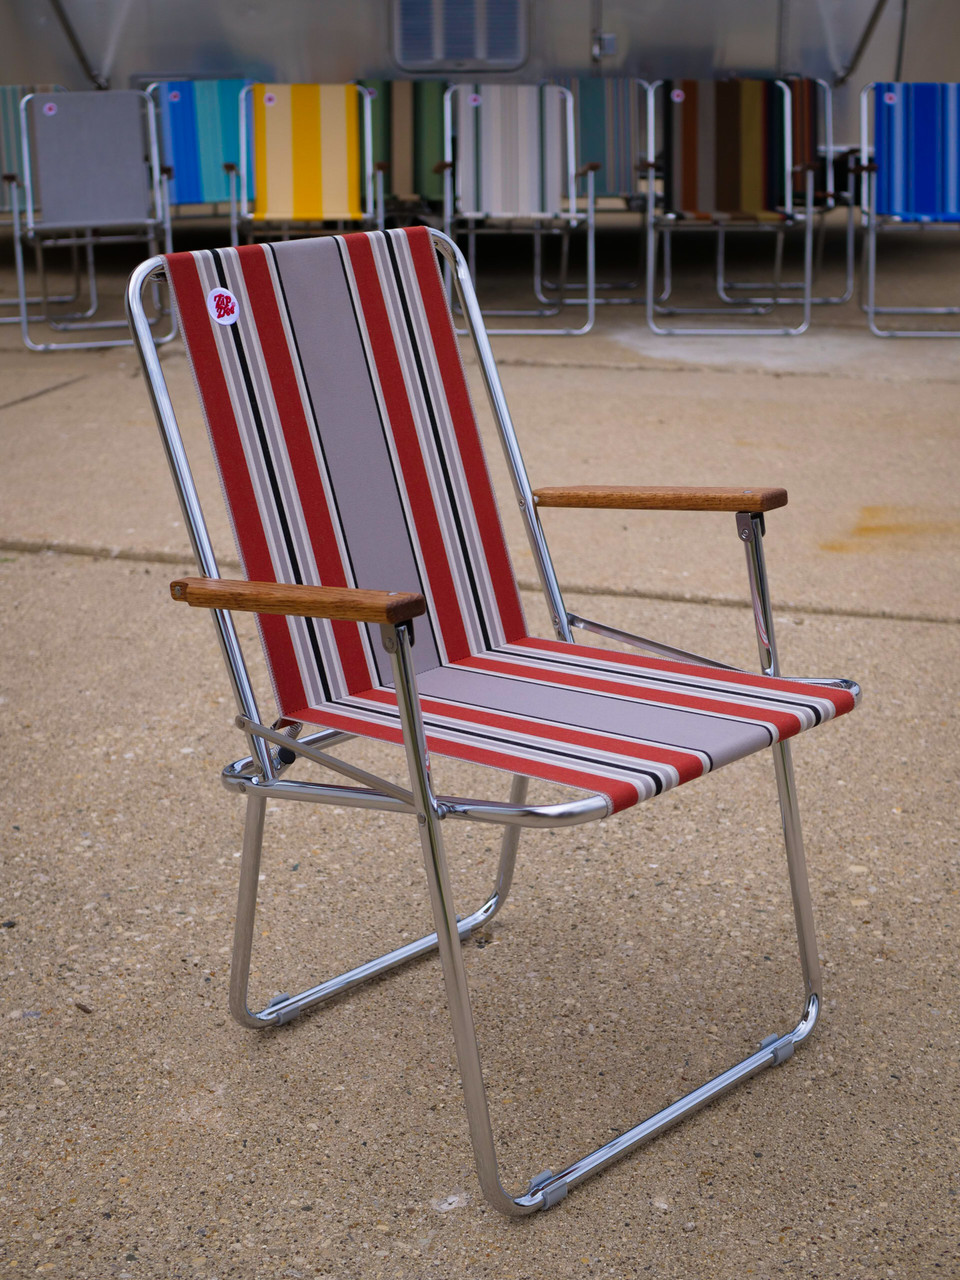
{"x":11,"y":151}
{"x":199,"y":124}
{"x":607,"y":110}
{"x":511,"y":151}
{"x":724,"y":146}
{"x":917,"y":151}
{"x":349,"y":454}
{"x":408,"y":136}
{"x":306,"y":153}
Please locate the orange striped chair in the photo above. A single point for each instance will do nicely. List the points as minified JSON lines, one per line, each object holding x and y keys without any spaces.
{"x":351,"y":461}
{"x":310,"y":167}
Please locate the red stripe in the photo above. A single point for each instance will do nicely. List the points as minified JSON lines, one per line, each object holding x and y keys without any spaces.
{"x":461,"y":412}
{"x":842,"y":699}
{"x":621,"y":794}
{"x":786,"y":723}
{"x":688,"y":766}
{"x":197,"y":328}
{"x":298,"y":439}
{"x":416,"y":480}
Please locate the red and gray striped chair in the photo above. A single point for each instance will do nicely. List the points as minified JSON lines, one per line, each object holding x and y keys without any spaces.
{"x":340,"y":419}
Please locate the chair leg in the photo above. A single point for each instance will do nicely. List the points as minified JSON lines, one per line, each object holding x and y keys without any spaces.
{"x":285,"y":1008}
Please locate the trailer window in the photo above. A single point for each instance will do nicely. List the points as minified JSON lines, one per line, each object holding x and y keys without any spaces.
{"x":460,"y":35}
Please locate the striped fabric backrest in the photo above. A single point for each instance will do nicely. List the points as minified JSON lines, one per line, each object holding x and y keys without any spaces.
{"x":724,"y":144}
{"x":917,"y":150}
{"x":408,"y":135}
{"x":511,"y":149}
{"x":608,"y":115}
{"x":11,"y":152}
{"x":331,"y":383}
{"x":306,"y":152}
{"x":200,"y":130}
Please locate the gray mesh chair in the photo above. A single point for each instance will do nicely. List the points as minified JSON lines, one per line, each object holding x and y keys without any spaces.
{"x":91,"y":176}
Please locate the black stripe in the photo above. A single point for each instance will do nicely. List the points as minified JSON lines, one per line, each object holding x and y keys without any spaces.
{"x":385,"y":677}
{"x":438,"y":445}
{"x":272,"y":475}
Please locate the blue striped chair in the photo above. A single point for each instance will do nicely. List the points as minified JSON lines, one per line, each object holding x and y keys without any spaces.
{"x":913,"y":178}
{"x":200,"y":132}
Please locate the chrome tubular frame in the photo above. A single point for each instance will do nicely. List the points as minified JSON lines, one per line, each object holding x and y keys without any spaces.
{"x":259,"y":777}
{"x":655,"y":226}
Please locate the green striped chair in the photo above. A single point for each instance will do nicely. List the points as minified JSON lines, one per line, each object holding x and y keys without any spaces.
{"x":408,"y":140}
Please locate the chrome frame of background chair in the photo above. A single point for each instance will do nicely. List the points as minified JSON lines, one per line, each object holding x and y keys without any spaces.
{"x":241,"y":219}
{"x":83,"y":237}
{"x":570,"y":220}
{"x":259,"y":777}
{"x":872,"y":223}
{"x":656,"y":303}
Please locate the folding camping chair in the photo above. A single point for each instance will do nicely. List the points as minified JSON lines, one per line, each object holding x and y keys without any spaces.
{"x":407,"y":129}
{"x":913,"y":180}
{"x":91,"y":176}
{"x":351,"y":463}
{"x":309,"y":169}
{"x":510,"y":165}
{"x":608,"y":112}
{"x":727,"y":162}
{"x":199,"y":139}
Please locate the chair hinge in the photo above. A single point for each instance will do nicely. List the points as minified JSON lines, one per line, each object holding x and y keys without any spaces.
{"x":783,"y":1053}
{"x":551,"y":1194}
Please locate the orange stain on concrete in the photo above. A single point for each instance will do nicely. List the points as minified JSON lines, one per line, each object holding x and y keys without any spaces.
{"x":886,"y":527}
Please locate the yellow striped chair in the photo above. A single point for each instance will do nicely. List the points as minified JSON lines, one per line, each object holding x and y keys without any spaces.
{"x":303,"y":143}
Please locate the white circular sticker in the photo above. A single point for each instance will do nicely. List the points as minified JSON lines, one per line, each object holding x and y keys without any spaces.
{"x":49,"y":108}
{"x":174,"y":95}
{"x":677,"y":95}
{"x":890,"y":99}
{"x":475,"y":99}
{"x":222,"y":306}
{"x":269,"y":99}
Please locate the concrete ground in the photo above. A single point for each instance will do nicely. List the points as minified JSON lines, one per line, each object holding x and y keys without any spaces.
{"x":145,"y":1135}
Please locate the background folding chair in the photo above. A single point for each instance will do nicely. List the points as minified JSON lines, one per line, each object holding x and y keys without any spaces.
{"x":727,"y":162}
{"x":510,"y":165}
{"x":91,"y":177}
{"x":351,"y":463}
{"x":608,"y":111}
{"x":914,"y":179}
{"x":199,"y":139}
{"x":407,"y":129}
{"x":309,"y":169}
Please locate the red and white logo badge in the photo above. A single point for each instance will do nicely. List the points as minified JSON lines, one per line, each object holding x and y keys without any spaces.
{"x":269,"y":99}
{"x":222,"y":306}
{"x":174,"y":95}
{"x":49,"y":108}
{"x":890,"y":98}
{"x":475,"y":99}
{"x":677,"y":95}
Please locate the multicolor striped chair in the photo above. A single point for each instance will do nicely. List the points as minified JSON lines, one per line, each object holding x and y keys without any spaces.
{"x":407,"y":132}
{"x":309,"y":168}
{"x":351,"y":462}
{"x":200,"y":137}
{"x":510,"y":165}
{"x":736,"y":153}
{"x":913,"y":178}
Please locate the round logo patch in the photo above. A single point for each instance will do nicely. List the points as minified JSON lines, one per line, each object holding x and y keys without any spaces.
{"x":269,"y":99}
{"x":677,"y":95}
{"x":222,"y":306}
{"x":890,"y":98}
{"x":475,"y":99}
{"x":49,"y":108}
{"x":174,"y":95}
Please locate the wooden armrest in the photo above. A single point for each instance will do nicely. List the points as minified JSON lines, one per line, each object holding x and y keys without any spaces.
{"x":593,"y":166}
{"x":442,"y":166}
{"x":229,"y":167}
{"x":349,"y":604}
{"x":660,"y":498}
